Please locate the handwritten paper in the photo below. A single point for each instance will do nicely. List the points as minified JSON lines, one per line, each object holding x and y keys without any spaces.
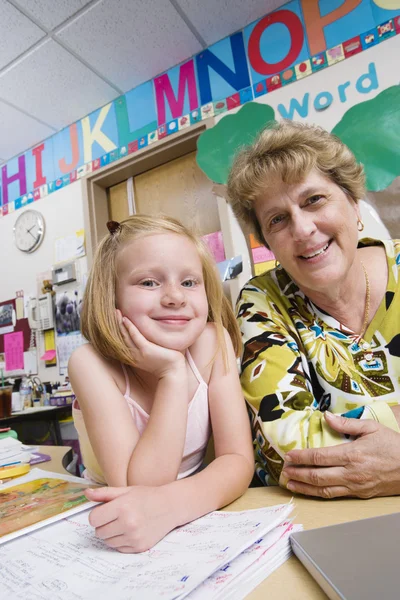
{"x":67,"y":561}
{"x":14,"y":350}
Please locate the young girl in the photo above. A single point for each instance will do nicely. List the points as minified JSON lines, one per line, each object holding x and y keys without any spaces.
{"x":158,"y":376}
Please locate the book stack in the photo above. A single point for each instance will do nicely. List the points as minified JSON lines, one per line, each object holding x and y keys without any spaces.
{"x":13,"y":452}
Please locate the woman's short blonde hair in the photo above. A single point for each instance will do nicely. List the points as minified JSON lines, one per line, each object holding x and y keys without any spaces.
{"x":98,"y":319}
{"x":287,"y":151}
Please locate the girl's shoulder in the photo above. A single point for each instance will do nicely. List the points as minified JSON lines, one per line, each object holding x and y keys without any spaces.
{"x":86,"y":361}
{"x":206,"y":351}
{"x":203,"y":350}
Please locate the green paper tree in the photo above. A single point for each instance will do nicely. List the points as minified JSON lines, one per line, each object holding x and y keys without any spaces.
{"x":217,"y":146}
{"x":371,"y":130}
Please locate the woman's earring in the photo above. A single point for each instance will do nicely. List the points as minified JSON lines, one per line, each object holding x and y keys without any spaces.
{"x":360,"y":225}
{"x":276,"y":264}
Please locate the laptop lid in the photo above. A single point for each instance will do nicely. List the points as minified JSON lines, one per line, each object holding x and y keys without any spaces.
{"x":359,"y":560}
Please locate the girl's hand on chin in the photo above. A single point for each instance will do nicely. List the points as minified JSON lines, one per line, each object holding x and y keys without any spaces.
{"x":147,"y":356}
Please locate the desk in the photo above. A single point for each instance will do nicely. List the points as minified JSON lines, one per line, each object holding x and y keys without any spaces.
{"x":47,"y":414}
{"x":61,"y":456}
{"x":292,"y":581}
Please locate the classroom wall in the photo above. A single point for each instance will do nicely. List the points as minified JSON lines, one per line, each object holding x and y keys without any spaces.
{"x":63,"y":215}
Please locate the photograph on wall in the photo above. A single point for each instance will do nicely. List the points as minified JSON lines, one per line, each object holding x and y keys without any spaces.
{"x":6,"y":315}
{"x":68,"y":310}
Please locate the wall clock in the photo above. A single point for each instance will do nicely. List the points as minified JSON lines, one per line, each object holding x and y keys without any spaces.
{"x":29,"y":231}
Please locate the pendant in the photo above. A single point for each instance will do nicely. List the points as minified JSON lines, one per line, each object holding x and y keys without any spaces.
{"x":368,"y":354}
{"x":369,"y":357}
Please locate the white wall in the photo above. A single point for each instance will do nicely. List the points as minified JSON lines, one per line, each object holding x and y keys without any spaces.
{"x":63,"y":215}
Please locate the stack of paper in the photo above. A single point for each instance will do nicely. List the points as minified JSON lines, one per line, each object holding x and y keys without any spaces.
{"x":221,"y":556}
{"x":12,"y":451}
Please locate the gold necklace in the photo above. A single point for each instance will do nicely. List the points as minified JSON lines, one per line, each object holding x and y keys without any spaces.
{"x":369,"y":356}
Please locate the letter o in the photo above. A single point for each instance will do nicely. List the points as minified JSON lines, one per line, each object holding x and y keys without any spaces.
{"x":323,"y":100}
{"x":293,"y":23}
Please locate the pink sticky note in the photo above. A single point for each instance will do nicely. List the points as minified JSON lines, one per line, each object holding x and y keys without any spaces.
{"x":48,"y":355}
{"x":262,"y":254}
{"x":216,"y":245}
{"x":14,"y":350}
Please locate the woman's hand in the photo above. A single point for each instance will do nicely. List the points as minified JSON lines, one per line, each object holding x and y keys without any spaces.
{"x":147,"y":356}
{"x":133,"y":519}
{"x":366,"y":467}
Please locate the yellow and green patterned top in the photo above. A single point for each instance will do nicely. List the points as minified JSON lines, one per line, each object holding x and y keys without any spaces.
{"x":299,"y":362}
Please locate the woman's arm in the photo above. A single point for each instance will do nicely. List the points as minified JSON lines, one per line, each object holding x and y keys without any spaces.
{"x":282,"y":389}
{"x":134,"y":519}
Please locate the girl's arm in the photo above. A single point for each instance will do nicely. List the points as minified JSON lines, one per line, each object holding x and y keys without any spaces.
{"x":135,"y":518}
{"x":111,"y":430}
{"x":124,"y":457}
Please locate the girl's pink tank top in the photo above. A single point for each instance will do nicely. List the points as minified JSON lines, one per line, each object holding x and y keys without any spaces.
{"x":198,"y":430}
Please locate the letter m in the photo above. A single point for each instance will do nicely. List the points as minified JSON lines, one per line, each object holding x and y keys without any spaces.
{"x":164,"y":91}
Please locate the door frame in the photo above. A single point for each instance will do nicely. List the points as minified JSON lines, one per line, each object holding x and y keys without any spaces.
{"x":95,"y":185}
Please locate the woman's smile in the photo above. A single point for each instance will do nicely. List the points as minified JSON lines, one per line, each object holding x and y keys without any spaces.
{"x":314,"y":256}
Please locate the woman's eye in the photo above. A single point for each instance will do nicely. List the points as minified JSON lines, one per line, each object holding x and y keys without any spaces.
{"x":315,"y":199}
{"x":188,"y":283}
{"x":276,"y":220}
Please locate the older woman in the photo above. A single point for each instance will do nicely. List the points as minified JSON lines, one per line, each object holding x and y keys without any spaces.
{"x":322,"y":330}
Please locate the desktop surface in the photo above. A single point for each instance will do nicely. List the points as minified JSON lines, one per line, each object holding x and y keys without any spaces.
{"x":292,"y":581}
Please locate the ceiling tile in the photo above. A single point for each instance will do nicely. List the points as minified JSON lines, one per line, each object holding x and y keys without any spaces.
{"x":18,"y":132}
{"x":215,"y":20}
{"x":53,"y":86}
{"x":52,"y":12}
{"x":17,"y":33}
{"x":130,"y":42}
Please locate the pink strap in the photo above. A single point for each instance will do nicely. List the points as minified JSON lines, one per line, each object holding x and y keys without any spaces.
{"x":128,"y":387}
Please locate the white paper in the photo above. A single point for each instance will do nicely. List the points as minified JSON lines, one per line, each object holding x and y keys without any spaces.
{"x":12,"y":451}
{"x":39,"y":474}
{"x":67,"y":562}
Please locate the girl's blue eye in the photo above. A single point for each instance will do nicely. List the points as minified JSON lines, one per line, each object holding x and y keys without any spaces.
{"x":189,"y":283}
{"x":148,"y":283}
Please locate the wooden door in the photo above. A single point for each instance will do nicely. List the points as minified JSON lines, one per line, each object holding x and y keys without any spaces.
{"x":179,"y":189}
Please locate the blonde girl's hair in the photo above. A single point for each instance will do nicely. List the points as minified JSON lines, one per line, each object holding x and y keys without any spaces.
{"x":98,"y":319}
{"x":288,"y":151}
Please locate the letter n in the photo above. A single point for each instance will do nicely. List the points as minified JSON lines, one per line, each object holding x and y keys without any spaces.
{"x":237,"y":78}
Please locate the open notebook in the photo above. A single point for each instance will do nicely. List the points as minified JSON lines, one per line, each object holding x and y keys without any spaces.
{"x":221,"y":556}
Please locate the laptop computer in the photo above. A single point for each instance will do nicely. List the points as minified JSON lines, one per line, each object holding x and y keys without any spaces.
{"x":359,"y":560}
